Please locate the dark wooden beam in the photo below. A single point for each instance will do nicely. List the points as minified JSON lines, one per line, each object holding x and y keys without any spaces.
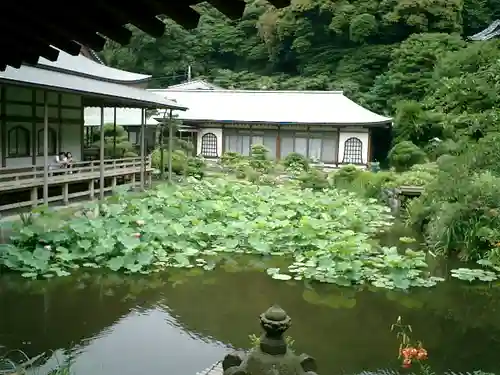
{"x":280,"y":3}
{"x":185,"y":16}
{"x":125,"y":13}
{"x":232,"y":9}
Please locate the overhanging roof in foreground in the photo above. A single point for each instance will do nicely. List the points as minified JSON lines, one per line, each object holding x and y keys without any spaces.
{"x":95,"y":92}
{"x":278,"y":107}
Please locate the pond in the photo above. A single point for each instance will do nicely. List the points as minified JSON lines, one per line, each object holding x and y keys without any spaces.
{"x":183,"y":321}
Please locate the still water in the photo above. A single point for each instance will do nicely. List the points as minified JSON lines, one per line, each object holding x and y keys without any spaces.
{"x":180,"y":322}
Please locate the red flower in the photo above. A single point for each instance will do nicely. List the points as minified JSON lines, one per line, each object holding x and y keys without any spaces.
{"x":422,"y":354}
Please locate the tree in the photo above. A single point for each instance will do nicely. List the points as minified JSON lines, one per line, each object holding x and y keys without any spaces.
{"x":404,"y":155}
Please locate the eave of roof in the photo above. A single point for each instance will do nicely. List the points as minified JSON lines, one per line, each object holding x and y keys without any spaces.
{"x":94,"y":92}
{"x":278,"y":107}
{"x":81,"y":65}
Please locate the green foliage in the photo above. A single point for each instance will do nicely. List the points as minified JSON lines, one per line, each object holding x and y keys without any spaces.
{"x":459,"y":210}
{"x":314,"y":179}
{"x":259,"y":159}
{"x":16,"y":362}
{"x":362,"y":27}
{"x":410,"y":73}
{"x":114,"y":148}
{"x":230,"y":159}
{"x":181,"y":163}
{"x":346,"y":175}
{"x":296,"y":161}
{"x":328,"y":235}
{"x":404,"y":155}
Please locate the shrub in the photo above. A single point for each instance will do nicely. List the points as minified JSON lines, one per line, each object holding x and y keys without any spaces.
{"x":116,"y":145}
{"x":410,"y":178}
{"x":471,"y":225}
{"x":404,"y":155}
{"x":371,"y":184}
{"x":346,"y":175}
{"x":179,"y":160}
{"x":259,"y":159}
{"x":195,"y":167}
{"x":292,"y":160}
{"x":313,"y":179}
{"x":230,"y":159}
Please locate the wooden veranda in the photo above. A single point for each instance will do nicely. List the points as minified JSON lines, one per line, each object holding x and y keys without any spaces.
{"x":116,"y":172}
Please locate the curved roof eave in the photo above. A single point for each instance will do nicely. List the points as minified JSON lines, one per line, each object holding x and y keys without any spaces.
{"x":84,"y":66}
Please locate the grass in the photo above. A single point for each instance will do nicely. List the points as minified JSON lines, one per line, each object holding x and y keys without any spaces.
{"x":17,"y":362}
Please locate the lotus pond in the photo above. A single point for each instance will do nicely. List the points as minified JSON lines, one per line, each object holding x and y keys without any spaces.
{"x":182,"y":321}
{"x":169,"y":280}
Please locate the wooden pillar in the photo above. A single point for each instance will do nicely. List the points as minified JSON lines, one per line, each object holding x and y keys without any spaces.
{"x":369,"y":151}
{"x":65,"y":193}
{"x":251,"y":139}
{"x":308,"y":135}
{"x":34,"y":133}
{"x":113,"y":179}
{"x":91,"y":189}
{"x":150,"y":176}
{"x":278,"y":145}
{"x":3,"y":126}
{"x":101,"y":158}
{"x":114,"y":133}
{"x":59,"y":147}
{"x":170,"y":145}
{"x":45,"y":148}
{"x":143,"y":151}
{"x":34,"y":196}
{"x":338,"y":148}
{"x":82,"y":130}
{"x":162,"y":146}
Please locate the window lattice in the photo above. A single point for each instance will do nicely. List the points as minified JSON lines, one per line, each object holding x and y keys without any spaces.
{"x":209,"y":145}
{"x":353,"y":151}
{"x":18,"y":142}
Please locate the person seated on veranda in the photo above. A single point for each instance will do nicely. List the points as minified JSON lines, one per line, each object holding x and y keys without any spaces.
{"x":69,"y":160}
{"x":60,"y":161}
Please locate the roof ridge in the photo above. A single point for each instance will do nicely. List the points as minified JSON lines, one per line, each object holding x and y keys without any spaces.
{"x":231,"y":91}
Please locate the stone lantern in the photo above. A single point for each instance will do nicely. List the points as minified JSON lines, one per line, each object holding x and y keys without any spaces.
{"x":272,"y":356}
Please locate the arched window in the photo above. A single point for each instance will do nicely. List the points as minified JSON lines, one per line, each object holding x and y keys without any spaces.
{"x":18,"y":142}
{"x":52,"y":145}
{"x":353,"y":151}
{"x":209,"y":145}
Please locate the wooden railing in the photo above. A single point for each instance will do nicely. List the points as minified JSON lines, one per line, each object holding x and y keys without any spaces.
{"x":32,"y":179}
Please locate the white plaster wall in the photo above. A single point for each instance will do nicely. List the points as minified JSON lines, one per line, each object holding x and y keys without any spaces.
{"x":71,"y":140}
{"x":218,"y":134}
{"x":361,"y":134}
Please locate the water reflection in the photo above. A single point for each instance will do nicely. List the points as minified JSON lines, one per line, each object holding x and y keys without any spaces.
{"x":181,"y":322}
